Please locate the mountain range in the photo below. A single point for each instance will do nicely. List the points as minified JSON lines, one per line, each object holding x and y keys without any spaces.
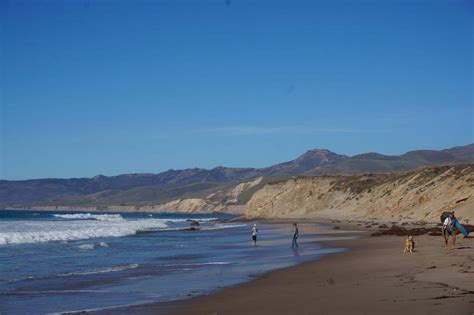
{"x":147,"y":188}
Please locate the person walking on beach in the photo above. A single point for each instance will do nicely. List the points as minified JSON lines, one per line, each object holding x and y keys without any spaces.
{"x":254,"y":234}
{"x":448,"y":230}
{"x":294,"y":243}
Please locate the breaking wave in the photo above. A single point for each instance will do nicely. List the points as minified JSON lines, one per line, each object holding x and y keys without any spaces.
{"x":84,"y":226}
{"x":76,"y":230}
{"x":85,"y":216}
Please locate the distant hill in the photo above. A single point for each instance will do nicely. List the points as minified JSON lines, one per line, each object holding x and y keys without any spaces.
{"x":308,"y":161}
{"x":139,"y":189}
{"x":54,"y":190}
{"x":379,"y":163}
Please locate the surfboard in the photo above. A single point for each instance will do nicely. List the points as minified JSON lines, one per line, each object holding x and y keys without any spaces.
{"x":461,"y":228}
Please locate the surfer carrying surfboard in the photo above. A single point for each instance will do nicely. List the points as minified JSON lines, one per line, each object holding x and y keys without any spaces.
{"x":459,"y":226}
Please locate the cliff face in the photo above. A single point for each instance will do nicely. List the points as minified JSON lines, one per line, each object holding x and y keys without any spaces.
{"x":415,"y":196}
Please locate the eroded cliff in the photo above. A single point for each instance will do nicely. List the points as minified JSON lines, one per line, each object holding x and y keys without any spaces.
{"x":414,"y":196}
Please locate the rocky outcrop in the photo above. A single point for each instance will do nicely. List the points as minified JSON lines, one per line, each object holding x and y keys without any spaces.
{"x":415,"y":196}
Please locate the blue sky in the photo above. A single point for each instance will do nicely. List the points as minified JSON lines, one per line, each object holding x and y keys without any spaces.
{"x":112,"y":87}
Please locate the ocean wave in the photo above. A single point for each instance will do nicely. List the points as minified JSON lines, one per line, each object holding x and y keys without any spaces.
{"x":190,"y":220}
{"x":51,"y":231}
{"x":77,"y":227}
{"x":112,"y":309}
{"x":201,"y":264}
{"x":93,"y":245}
{"x":115,"y":217}
{"x":203,"y":219}
{"x":81,"y":273}
{"x":45,"y":292}
{"x":86,"y":246}
{"x":86,"y":216}
{"x":208,"y":263}
{"x":220,"y":226}
{"x":100,"y":270}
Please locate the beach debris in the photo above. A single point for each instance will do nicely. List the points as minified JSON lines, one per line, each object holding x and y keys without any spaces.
{"x":401,"y":231}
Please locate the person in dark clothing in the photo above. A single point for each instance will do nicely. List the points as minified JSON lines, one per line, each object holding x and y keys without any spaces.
{"x":254,"y":234}
{"x":294,"y":243}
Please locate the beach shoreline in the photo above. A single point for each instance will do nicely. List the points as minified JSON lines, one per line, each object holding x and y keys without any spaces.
{"x":372,"y":277}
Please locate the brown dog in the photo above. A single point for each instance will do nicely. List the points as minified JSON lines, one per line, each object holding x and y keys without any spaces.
{"x":409,"y":244}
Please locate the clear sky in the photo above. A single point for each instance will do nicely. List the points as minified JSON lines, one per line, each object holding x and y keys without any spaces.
{"x":110,"y":87}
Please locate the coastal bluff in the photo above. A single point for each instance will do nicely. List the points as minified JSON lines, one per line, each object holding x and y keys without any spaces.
{"x":420,"y":195}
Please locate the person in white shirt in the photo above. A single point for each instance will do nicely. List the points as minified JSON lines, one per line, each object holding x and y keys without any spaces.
{"x":254,"y":234}
{"x":448,"y":230}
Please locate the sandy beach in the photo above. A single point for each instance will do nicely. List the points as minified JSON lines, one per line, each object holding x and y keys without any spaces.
{"x":373,"y":277}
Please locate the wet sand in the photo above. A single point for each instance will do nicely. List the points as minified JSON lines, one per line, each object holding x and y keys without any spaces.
{"x":373,"y":277}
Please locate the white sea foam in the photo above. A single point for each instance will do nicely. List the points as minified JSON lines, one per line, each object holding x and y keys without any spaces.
{"x":220,"y":226}
{"x":84,"y":216}
{"x":99,"y":270}
{"x":93,"y":245}
{"x":203,"y":219}
{"x":49,"y":231}
{"x":217,"y":263}
{"x":86,"y":246}
{"x":82,"y":273}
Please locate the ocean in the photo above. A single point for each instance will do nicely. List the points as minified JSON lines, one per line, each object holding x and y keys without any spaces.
{"x":58,"y":261}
